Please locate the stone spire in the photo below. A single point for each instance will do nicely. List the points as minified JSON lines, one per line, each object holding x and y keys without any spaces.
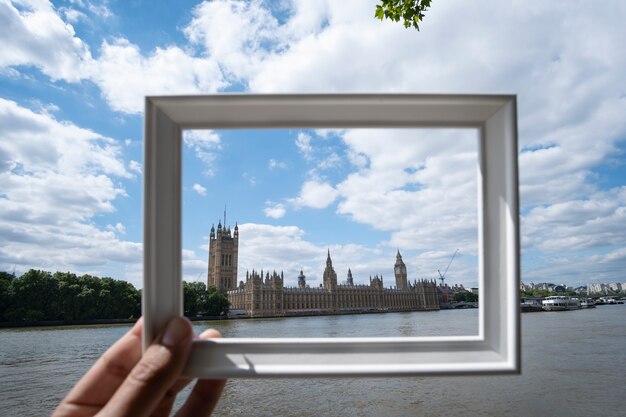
{"x":330,"y":276}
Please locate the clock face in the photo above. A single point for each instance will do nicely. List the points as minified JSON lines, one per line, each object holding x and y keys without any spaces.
{"x":398,"y":269}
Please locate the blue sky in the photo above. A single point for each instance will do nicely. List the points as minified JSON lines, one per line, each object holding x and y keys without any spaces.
{"x":73,"y":75}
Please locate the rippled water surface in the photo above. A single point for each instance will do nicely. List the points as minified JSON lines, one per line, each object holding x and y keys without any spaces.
{"x":572,"y":365}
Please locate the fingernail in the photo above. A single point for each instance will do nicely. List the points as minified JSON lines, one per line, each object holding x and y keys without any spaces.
{"x":175,"y":332}
{"x":210,"y":334}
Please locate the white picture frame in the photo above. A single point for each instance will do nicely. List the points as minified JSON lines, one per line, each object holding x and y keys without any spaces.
{"x":496,"y":348}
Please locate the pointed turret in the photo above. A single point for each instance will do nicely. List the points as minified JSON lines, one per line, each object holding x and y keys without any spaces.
{"x":330,"y":276}
{"x":301,"y":280}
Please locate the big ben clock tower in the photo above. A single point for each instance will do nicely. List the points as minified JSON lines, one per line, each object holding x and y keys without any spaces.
{"x":400,"y":272}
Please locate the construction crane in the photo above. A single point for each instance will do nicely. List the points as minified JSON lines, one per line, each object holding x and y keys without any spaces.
{"x":443,"y":276}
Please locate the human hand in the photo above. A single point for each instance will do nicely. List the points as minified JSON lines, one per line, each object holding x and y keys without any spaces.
{"x":125,"y":383}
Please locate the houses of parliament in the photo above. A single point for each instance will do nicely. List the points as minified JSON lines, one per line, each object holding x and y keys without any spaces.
{"x":266,"y":296}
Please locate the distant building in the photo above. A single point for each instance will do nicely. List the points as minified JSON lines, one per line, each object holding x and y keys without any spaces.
{"x":596,"y":288}
{"x":263,"y":294}
{"x":606,"y":289}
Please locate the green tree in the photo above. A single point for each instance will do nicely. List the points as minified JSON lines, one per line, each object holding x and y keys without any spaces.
{"x":537,"y":293}
{"x":35,"y":297}
{"x":69,"y":288}
{"x":471,"y":297}
{"x":194,"y":298}
{"x":411,"y":12}
{"x":217,"y":302}
{"x":39,"y":295}
{"x":198,"y":299}
{"x":119,"y":299}
{"x":89,"y":303}
{"x":6,"y":291}
{"x":460,"y":296}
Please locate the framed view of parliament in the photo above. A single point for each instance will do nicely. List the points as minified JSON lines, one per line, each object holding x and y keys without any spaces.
{"x":496,"y":347}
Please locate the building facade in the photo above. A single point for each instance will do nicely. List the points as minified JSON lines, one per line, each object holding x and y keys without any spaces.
{"x":263,"y":294}
{"x":223,"y":257}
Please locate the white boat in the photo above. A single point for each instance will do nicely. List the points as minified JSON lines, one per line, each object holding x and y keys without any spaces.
{"x":560,"y":303}
{"x":530,"y":304}
{"x":587,"y":303}
{"x":607,"y":300}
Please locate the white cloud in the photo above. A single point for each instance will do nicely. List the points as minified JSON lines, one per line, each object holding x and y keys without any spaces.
{"x":201,"y":139}
{"x":250,"y":178}
{"x":39,"y":144}
{"x":125,"y":75}
{"x":274,"y":210}
{"x":578,"y":225}
{"x":579,"y":268}
{"x":10,"y":73}
{"x":73,"y":15}
{"x":323,"y":156}
{"x":274,"y":164}
{"x":119,"y":228}
{"x":419,"y":184}
{"x":101,"y":10}
{"x":55,"y":178}
{"x":234,"y":33}
{"x":315,"y":195}
{"x":204,"y":143}
{"x":331,"y":161}
{"x":274,"y":247}
{"x":135,"y":166}
{"x":194,"y":268}
{"x":34,"y":34}
{"x":303,"y":142}
{"x":199,"y":189}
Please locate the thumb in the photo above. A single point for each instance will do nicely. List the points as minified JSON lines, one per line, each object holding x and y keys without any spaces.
{"x":152,"y":377}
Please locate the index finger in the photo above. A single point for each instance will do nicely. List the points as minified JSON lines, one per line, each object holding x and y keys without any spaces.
{"x":95,"y":389}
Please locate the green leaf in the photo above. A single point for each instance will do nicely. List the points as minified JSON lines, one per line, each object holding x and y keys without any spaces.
{"x":380,"y":14}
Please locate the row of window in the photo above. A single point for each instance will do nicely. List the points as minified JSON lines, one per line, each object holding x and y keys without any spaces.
{"x":324,"y":304}
{"x":227,"y":260}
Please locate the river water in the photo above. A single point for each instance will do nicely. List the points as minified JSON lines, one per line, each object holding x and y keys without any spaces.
{"x":573,"y":364}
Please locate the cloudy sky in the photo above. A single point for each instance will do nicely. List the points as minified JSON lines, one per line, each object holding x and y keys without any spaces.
{"x":73,"y":75}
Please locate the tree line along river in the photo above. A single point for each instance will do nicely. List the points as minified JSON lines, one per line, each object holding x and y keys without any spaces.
{"x":571,"y":365}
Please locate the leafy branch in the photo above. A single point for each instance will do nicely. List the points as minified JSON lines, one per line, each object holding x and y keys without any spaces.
{"x":410,"y":11}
